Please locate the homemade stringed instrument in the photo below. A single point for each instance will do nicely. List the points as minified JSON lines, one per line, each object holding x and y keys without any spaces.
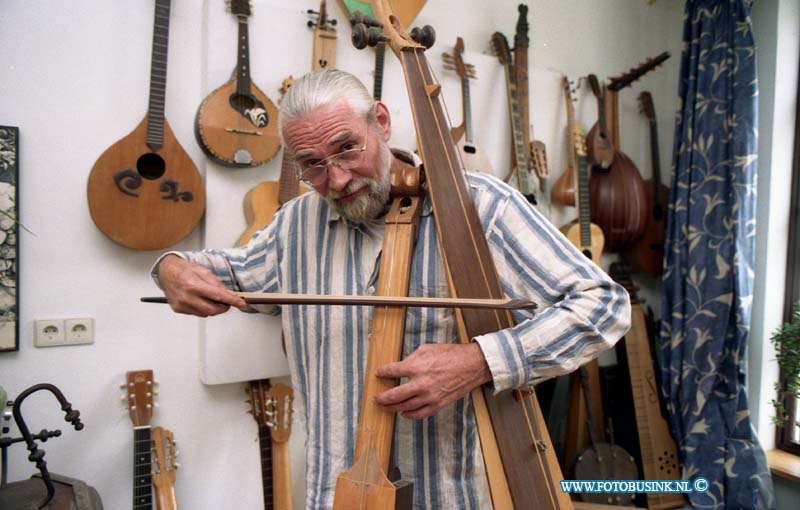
{"x":564,"y":189}
{"x":647,"y":254}
{"x":237,"y":125}
{"x":139,"y":397}
{"x":659,"y":454}
{"x":521,"y":465}
{"x":324,"y":52}
{"x":164,"y":468}
{"x":600,"y":148}
{"x":144,"y":192}
{"x":271,"y":407}
{"x":520,"y":168}
{"x":473,"y":157}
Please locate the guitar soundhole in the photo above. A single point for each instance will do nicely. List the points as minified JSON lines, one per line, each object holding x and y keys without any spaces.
{"x":588,"y":254}
{"x":150,"y":166}
{"x":469,"y":149}
{"x":250,"y":108}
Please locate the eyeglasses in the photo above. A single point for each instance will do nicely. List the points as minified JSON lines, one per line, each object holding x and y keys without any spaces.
{"x":315,"y":174}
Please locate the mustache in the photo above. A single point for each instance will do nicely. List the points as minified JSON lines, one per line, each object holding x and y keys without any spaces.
{"x":352,"y":186}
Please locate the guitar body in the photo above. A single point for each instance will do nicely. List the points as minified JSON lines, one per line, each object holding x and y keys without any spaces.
{"x":594,"y":248}
{"x":237,"y":129}
{"x":146,"y":199}
{"x":474,"y":158}
{"x":647,"y":254}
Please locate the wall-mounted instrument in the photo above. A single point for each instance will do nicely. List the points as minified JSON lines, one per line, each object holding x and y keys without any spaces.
{"x":164,"y":453}
{"x":659,"y":455}
{"x":324,"y":53}
{"x":140,"y":398}
{"x":519,"y":173}
{"x":271,"y":406}
{"x":600,"y":148}
{"x":237,"y":125}
{"x":584,"y":234}
{"x":647,"y":254}
{"x":519,"y":477}
{"x":406,"y":10}
{"x":144,"y":191}
{"x":564,"y":189}
{"x":474,"y":158}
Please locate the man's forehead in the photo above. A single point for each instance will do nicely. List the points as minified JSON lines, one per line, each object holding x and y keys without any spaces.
{"x":328,"y":125}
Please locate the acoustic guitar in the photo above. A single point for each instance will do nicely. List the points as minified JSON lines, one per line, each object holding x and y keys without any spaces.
{"x":139,"y":395}
{"x":647,"y":254}
{"x":164,"y":467}
{"x":271,"y":407}
{"x":144,"y":192}
{"x":474,"y":158}
{"x":237,"y":125}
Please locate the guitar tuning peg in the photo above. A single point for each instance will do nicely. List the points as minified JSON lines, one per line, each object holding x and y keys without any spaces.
{"x":177,"y":465}
{"x":156,"y":404}
{"x":123,"y":386}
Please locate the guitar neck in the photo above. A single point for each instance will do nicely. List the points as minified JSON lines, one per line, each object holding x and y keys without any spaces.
{"x":377,"y":86}
{"x":584,"y":202}
{"x":288,"y":186}
{"x":243,"y":58}
{"x":158,"y":76}
{"x":656,"y":162}
{"x":466,"y":105}
{"x":142,"y":469}
{"x":265,"y":443}
{"x":521,"y":82}
{"x":520,"y":154}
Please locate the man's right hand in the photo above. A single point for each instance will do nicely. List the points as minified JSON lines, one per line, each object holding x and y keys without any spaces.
{"x":193,"y":289}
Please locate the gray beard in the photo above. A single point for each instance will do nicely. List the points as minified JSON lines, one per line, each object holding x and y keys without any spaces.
{"x":369,"y":205}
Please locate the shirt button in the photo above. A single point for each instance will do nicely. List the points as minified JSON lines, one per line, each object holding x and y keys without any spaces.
{"x":371,"y":290}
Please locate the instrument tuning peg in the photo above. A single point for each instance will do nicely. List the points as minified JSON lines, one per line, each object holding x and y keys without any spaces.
{"x":123,"y":386}
{"x":312,"y":11}
{"x":177,"y":465}
{"x":332,"y":22}
{"x":425,"y":36}
{"x":363,"y":36}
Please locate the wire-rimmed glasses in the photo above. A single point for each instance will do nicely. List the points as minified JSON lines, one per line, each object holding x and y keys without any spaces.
{"x":317,"y":173}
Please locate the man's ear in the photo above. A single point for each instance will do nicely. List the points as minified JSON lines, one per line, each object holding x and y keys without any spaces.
{"x":383,"y":119}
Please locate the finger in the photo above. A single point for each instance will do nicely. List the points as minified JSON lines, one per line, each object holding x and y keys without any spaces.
{"x":411,"y":404}
{"x":421,"y":413}
{"x":394,"y":370}
{"x":401,"y":393}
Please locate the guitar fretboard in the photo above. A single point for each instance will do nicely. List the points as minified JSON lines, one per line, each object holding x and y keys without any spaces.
{"x":377,"y":87}
{"x":516,"y":131}
{"x":142,"y":470}
{"x":158,"y":76}
{"x":465,"y":97}
{"x":265,"y":442}
{"x":584,"y":214}
{"x":243,"y":59}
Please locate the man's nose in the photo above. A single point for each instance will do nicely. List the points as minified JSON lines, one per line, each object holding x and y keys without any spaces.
{"x":338,"y":178}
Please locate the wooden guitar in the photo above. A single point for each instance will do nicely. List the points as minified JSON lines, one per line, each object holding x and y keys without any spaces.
{"x":584,"y":234}
{"x":324,"y":53}
{"x":520,"y":168}
{"x":600,"y":148}
{"x":144,"y":192}
{"x":659,"y":455}
{"x":139,"y":398}
{"x":237,"y":125}
{"x":473,"y":157}
{"x":164,"y":467}
{"x":647,"y":254}
{"x":521,"y":465}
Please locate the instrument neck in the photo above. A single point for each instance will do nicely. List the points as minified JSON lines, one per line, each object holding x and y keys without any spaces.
{"x":243,"y":59}
{"x":584,"y":202}
{"x":377,"y":87}
{"x":656,"y":163}
{"x":288,"y":187}
{"x":467,"y":107}
{"x":520,"y":152}
{"x":142,"y":469}
{"x":265,"y":444}
{"x":158,"y":76}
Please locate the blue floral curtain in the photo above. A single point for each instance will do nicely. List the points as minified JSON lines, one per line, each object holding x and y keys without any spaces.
{"x":708,"y":276}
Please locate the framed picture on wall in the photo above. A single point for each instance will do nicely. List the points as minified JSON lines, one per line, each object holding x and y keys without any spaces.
{"x":9,"y":296}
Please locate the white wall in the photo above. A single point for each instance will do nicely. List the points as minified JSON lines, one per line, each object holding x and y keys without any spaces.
{"x":74,"y":79}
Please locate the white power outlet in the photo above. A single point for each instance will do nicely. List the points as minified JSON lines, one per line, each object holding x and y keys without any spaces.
{"x":79,"y":331}
{"x":49,"y":332}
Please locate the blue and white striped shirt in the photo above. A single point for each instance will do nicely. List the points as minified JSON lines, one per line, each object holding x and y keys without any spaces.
{"x":309,"y":248}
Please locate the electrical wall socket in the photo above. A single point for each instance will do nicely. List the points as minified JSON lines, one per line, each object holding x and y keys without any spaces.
{"x":79,"y":331}
{"x":49,"y":332}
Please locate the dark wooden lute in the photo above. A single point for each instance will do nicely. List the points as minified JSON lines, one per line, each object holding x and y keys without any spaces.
{"x":144,"y":191}
{"x":647,"y":254}
{"x":520,"y":462}
{"x":237,"y":124}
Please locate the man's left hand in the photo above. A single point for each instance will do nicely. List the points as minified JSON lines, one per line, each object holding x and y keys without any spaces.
{"x":439,"y":374}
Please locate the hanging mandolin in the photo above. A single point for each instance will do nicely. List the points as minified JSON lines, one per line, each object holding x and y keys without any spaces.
{"x":237,"y":124}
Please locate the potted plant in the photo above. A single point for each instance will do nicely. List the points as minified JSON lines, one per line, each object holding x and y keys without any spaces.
{"x":786,"y":341}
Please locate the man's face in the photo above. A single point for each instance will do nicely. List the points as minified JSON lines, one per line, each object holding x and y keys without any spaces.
{"x":357,"y":188}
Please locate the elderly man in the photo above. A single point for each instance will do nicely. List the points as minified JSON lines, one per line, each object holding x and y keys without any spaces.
{"x":329,"y":242}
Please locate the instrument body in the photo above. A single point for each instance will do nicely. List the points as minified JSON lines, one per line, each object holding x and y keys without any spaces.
{"x":164,"y":467}
{"x":144,"y":191}
{"x":564,"y":189}
{"x":237,"y":124}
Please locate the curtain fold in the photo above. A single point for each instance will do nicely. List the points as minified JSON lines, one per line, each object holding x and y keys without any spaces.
{"x":709,"y":256}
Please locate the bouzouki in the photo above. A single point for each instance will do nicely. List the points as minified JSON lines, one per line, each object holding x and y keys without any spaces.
{"x":271,"y":407}
{"x":237,"y":125}
{"x":659,"y":454}
{"x":164,"y":467}
{"x":473,"y":157}
{"x":519,"y":167}
{"x":139,"y":397}
{"x":144,"y":192}
{"x":521,"y":466}
{"x":647,"y":255}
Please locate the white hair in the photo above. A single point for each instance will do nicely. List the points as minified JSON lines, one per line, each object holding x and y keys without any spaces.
{"x":321,"y":88}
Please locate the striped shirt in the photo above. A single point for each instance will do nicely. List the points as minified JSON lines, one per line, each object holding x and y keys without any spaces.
{"x":309,"y":248}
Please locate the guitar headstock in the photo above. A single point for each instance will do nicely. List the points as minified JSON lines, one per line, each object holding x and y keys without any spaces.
{"x":280,"y":399}
{"x":239,"y":8}
{"x":260,"y":407}
{"x":164,"y":453}
{"x":521,"y":37}
{"x":391,"y":28}
{"x":539,"y":159}
{"x":620,"y":272}
{"x":622,"y":81}
{"x":646,"y":106}
{"x":322,"y":21}
{"x":575,"y":130}
{"x":140,"y":396}
{"x":594,"y":84}
{"x":500,"y":48}
{"x":456,"y":61}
